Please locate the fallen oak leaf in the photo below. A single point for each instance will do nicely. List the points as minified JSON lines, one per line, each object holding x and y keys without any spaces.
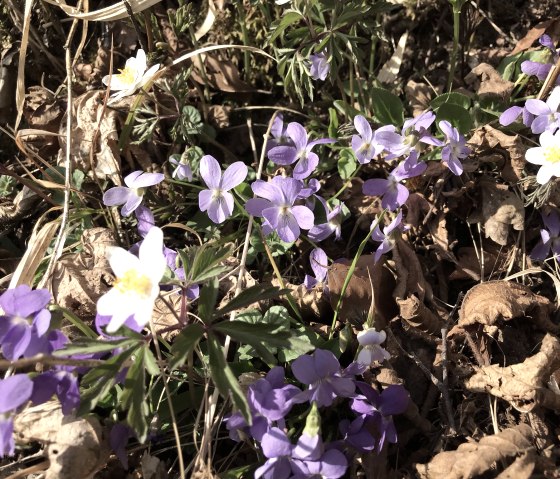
{"x":473,"y":459}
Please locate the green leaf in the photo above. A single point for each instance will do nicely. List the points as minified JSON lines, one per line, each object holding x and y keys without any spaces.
{"x":133,"y":397}
{"x":207,"y":300}
{"x":333,"y":123}
{"x":347,"y":164}
{"x":150,"y":362}
{"x":456,"y":115}
{"x":289,"y":18}
{"x":347,"y":110}
{"x":185,"y":343}
{"x":224,"y":379}
{"x":387,"y":107}
{"x":203,"y":262}
{"x":301,"y":341}
{"x":86,"y":346}
{"x":249,"y":296}
{"x":454,"y":97}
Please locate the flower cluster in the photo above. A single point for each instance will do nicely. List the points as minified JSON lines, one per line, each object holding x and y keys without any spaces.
{"x":25,"y":331}
{"x":271,"y":399}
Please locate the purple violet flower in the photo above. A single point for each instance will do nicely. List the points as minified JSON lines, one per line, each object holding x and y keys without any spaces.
{"x":311,"y":460}
{"x":387,"y":238}
{"x":455,"y":148}
{"x":393,"y":194}
{"x":546,"y":116}
{"x":182,"y":169}
{"x":217,"y":199}
{"x":301,"y":152}
{"x":550,"y":239}
{"x":62,"y":383}
{"x":7,"y":443}
{"x":365,"y":144}
{"x":320,"y":66}
{"x":118,"y":439}
{"x":541,"y":70}
{"x":333,"y":224}
{"x":23,"y":327}
{"x":276,"y":205}
{"x":320,"y":266}
{"x":145,"y":219}
{"x":16,"y":391}
{"x":322,"y":372}
{"x":512,"y":114}
{"x":131,"y":195}
{"x":277,"y":448}
{"x":378,"y":410}
{"x":279,"y":132}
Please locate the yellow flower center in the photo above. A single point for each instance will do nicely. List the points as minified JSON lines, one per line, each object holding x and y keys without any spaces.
{"x":133,"y":282}
{"x":127,"y":75}
{"x":552,"y":154}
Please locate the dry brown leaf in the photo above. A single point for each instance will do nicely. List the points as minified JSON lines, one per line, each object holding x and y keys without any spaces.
{"x":417,"y":315}
{"x":473,"y":459}
{"x":221,"y":74}
{"x":80,"y":279}
{"x":358,"y":295}
{"x":491,"y":82}
{"x":487,"y":140}
{"x":468,"y":264}
{"x":91,"y":124}
{"x":552,"y":27}
{"x":521,"y":468}
{"x":313,"y":304}
{"x":76,"y":447}
{"x":410,"y":276}
{"x":501,"y":209}
{"x":418,"y":96}
{"x":494,"y":301}
{"x":524,"y":384}
{"x":390,"y":70}
{"x":108,"y":14}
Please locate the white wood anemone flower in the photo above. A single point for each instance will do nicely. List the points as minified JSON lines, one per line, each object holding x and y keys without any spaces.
{"x":132,"y":77}
{"x":137,"y":284}
{"x":547,"y":156}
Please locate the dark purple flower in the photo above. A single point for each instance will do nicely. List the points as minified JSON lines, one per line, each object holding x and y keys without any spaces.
{"x":320,"y":266}
{"x":387,"y":238}
{"x":131,"y":195}
{"x":15,"y":390}
{"x":455,"y":148}
{"x":321,"y":371}
{"x":320,"y":67}
{"x":301,"y":152}
{"x":23,"y":328}
{"x":356,"y":433}
{"x":271,"y":396}
{"x":276,"y":205}
{"x":333,"y":224}
{"x":62,"y":383}
{"x":365,"y":145}
{"x":380,"y":408}
{"x":549,"y":237}
{"x":118,"y":439}
{"x":217,"y":199}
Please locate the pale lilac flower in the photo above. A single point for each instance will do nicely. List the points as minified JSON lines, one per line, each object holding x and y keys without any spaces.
{"x":546,"y":116}
{"x":392,"y":192}
{"x":182,"y":169}
{"x":312,"y":187}
{"x":322,"y":372}
{"x":7,"y":443}
{"x":145,"y":219}
{"x":277,"y":448}
{"x":137,"y":284}
{"x":310,"y":459}
{"x":217,"y":199}
{"x":547,"y":155}
{"x":24,"y":326}
{"x":132,"y":77}
{"x":279,"y":132}
{"x":301,"y":152}
{"x":370,"y":340}
{"x":415,"y":131}
{"x":455,"y":148}
{"x":131,"y":195}
{"x":512,"y":114}
{"x":365,"y":145}
{"x":15,"y":390}
{"x":387,"y":238}
{"x":320,"y":266}
{"x":541,"y":70}
{"x":333,"y":224}
{"x":320,"y":66}
{"x":550,"y":237}
{"x":276,"y":205}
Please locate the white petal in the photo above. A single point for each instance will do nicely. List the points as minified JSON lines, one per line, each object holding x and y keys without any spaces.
{"x":151,"y":255}
{"x":122,"y":261}
{"x":535,"y":155}
{"x":544,"y":174}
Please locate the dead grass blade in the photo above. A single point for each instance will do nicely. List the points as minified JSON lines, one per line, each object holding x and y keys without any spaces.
{"x":20,"y":85}
{"x":107,"y":14}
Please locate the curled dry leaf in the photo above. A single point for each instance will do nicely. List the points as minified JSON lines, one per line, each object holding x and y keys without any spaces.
{"x":410,"y":276}
{"x":222,"y":75}
{"x":370,"y":280}
{"x":312,"y":304}
{"x":494,"y":301}
{"x":80,"y":279}
{"x":417,"y":315}
{"x":76,"y":447}
{"x":524,"y":384}
{"x":93,"y":128}
{"x":491,"y":82}
{"x":469,"y":263}
{"x":473,"y":459}
{"x":418,"y":96}
{"x":488,"y":141}
{"x":501,"y":209}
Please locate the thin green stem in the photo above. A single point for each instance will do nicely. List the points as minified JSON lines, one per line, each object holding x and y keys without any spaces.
{"x":453,"y":60}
